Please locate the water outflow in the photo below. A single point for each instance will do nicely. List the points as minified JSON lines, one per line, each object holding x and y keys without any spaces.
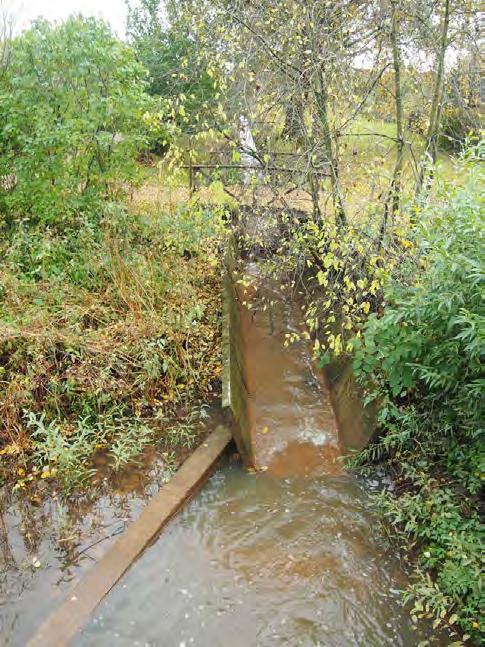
{"x":288,"y":555}
{"x":290,"y":422}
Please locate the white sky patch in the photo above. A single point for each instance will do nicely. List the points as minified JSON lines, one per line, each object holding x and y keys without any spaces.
{"x":24,"y":11}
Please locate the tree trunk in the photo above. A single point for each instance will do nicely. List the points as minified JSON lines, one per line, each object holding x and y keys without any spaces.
{"x":431,"y":146}
{"x":294,"y":116}
{"x":393,"y":197}
{"x":315,"y":193}
{"x":330,"y":152}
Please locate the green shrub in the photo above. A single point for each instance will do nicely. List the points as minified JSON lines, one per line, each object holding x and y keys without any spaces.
{"x":72,"y":120}
{"x":458,"y":124}
{"x":418,"y":121}
{"x":421,"y":362}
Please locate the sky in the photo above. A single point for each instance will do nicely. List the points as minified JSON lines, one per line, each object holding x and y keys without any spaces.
{"x":113,"y":11}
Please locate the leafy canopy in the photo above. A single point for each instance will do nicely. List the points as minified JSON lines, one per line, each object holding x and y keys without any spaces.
{"x":73,"y":103}
{"x":178,"y":67}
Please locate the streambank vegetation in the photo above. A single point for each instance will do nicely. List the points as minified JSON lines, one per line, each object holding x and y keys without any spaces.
{"x":358,"y":125}
{"x":110,"y":306}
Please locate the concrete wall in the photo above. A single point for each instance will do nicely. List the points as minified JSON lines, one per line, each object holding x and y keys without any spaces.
{"x":234,"y":384}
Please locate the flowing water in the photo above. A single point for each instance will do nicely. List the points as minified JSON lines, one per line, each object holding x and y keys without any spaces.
{"x":287,"y":555}
{"x":65,"y":539}
{"x":47,"y":544}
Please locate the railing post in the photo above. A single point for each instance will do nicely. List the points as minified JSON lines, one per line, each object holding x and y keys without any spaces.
{"x":191,"y":177}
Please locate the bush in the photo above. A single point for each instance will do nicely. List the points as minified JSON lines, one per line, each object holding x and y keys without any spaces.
{"x":458,"y":124}
{"x":72,"y":120}
{"x":418,"y":121}
{"x":421,"y":362}
{"x":105,"y":333}
{"x":109,"y":317}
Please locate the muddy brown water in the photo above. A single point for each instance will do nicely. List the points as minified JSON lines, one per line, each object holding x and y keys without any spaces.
{"x":65,"y":539}
{"x":48,"y":544}
{"x":288,"y":555}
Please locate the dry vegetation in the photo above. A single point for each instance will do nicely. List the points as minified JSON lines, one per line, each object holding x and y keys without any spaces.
{"x":115,"y":328}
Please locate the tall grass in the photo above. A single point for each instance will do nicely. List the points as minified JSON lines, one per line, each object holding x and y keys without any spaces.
{"x":104,"y":331}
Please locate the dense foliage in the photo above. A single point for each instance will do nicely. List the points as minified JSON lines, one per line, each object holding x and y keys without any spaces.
{"x":421,"y":363}
{"x":103,"y":331}
{"x":178,"y":70}
{"x":109,"y":309}
{"x":73,"y":100}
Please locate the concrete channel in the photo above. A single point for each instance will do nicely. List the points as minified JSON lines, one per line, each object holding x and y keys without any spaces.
{"x":247,"y":351}
{"x":288,"y":552}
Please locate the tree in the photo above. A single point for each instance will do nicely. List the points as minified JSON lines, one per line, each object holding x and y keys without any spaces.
{"x":289,"y":53}
{"x":315,"y":68}
{"x":175,"y":62}
{"x":392,"y":203}
{"x":73,"y":103}
{"x":6,"y":31}
{"x":431,"y":146}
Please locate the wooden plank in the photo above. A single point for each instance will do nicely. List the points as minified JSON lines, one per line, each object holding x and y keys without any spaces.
{"x":60,"y":628}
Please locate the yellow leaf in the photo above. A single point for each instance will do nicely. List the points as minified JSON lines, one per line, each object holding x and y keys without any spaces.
{"x":9,"y":450}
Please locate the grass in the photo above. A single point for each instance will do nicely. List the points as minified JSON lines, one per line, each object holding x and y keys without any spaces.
{"x":106,"y":330}
{"x":367,"y":160}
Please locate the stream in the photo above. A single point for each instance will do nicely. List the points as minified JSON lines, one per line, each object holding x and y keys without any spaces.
{"x":290,"y":554}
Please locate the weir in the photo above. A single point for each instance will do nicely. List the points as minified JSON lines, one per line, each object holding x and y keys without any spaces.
{"x":278,"y":412}
{"x":274,"y":411}
{"x":282,"y":551}
{"x":285,"y":552}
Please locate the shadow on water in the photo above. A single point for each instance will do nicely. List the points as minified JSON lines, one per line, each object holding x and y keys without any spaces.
{"x":64,"y":540}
